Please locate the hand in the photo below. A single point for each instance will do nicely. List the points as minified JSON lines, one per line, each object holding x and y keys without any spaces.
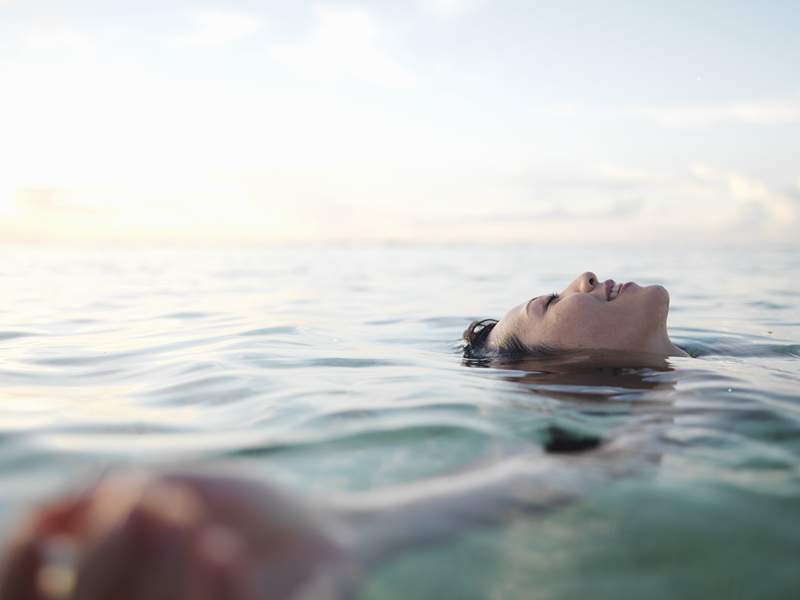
{"x":174,"y":536}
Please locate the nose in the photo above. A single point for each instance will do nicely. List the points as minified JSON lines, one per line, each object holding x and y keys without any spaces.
{"x":585,"y":282}
{"x":588,"y":281}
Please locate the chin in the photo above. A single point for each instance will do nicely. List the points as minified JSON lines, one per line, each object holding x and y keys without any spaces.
{"x":659,"y":291}
{"x":658,"y":298}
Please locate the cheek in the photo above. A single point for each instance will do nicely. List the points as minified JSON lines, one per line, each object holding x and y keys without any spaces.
{"x":579,"y":322}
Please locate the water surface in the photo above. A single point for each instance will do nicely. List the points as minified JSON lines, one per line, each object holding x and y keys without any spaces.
{"x":337,"y":369}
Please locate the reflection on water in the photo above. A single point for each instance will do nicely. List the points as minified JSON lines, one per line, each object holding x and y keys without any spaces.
{"x":596,"y":385}
{"x":337,"y":369}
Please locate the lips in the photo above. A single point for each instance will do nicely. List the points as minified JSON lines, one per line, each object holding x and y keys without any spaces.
{"x":613,"y":289}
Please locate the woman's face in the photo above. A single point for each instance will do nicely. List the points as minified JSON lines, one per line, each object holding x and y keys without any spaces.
{"x":592,"y":314}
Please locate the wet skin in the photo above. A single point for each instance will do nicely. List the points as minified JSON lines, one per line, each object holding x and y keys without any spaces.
{"x":590,"y":314}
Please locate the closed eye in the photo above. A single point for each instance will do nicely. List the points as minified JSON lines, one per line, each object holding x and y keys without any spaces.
{"x":553,"y":297}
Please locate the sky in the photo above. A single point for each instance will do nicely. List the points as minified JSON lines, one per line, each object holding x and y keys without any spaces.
{"x":426,"y":120}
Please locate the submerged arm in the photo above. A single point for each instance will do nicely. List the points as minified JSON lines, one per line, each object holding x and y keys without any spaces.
{"x":378,"y":525}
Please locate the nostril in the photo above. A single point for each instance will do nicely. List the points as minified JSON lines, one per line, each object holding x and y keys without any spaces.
{"x":591,"y":281}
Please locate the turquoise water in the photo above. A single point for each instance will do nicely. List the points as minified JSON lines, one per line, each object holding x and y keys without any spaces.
{"x":337,"y":369}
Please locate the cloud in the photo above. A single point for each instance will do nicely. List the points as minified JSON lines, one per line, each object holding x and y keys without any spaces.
{"x":748,"y":193}
{"x":599,"y":179}
{"x":764,"y":111}
{"x":616,"y":210}
{"x":761,"y":112}
{"x":345,"y":43}
{"x":699,"y":202}
{"x":449,"y":8}
{"x":702,"y":203}
{"x":216,"y":28}
{"x":57,"y":201}
{"x":59,"y":40}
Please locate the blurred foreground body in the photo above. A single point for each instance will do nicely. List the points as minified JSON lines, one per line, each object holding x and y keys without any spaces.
{"x":191,"y":535}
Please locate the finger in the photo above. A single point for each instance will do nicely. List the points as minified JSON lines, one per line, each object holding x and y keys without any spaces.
{"x":19,"y":571}
{"x":222,"y":570}
{"x":64,"y":516}
{"x":162,"y":557}
{"x":251,"y":508}
{"x":25,"y":571}
{"x":143,"y":555}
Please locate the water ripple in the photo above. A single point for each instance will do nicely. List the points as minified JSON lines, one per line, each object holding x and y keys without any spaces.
{"x":10,"y":335}
{"x":339,"y":369}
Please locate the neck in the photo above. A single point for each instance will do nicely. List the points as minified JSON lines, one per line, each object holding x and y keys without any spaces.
{"x":665,"y":347}
{"x":675,"y":351}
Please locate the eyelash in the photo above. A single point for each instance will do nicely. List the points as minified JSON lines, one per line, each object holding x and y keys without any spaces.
{"x":550,"y":300}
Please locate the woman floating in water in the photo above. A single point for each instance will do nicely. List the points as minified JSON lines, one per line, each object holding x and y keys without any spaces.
{"x":588,"y":314}
{"x":191,"y":534}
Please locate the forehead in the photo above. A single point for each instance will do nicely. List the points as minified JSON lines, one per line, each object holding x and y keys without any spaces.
{"x":516,"y":318}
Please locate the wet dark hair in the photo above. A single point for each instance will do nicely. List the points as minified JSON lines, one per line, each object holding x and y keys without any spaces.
{"x":477,"y":334}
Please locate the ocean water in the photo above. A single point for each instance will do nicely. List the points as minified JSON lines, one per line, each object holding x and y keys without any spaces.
{"x":337,"y":369}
